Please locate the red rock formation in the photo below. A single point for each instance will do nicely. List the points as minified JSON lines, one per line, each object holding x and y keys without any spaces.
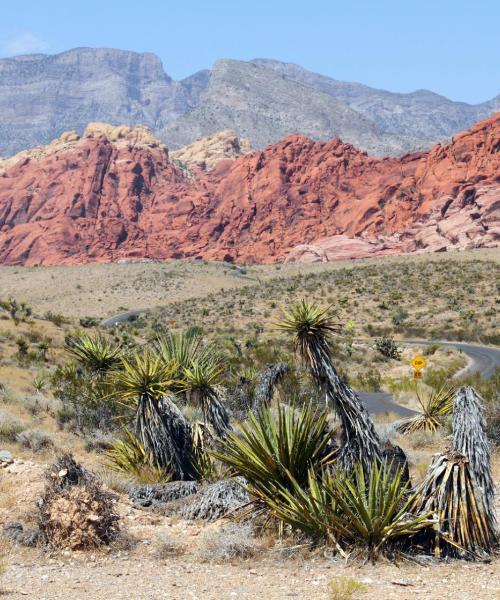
{"x":295,"y":200}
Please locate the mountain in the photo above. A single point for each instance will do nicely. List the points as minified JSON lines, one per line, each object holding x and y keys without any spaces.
{"x":115,"y":194}
{"x":422,"y":115}
{"x":42,"y":96}
{"x":263,"y":107}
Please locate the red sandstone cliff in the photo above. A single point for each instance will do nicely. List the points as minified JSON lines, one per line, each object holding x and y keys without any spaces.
{"x":101,"y":200}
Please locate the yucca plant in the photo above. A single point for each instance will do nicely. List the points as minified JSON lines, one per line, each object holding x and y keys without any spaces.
{"x":435,"y":406}
{"x":128,"y":457}
{"x":95,"y":353}
{"x":451,"y":492}
{"x":143,"y":382}
{"x":179,"y":349}
{"x":312,"y":328}
{"x":370,"y":513}
{"x":470,"y":438}
{"x":203,"y":444}
{"x":201,"y":380}
{"x":276,"y":449}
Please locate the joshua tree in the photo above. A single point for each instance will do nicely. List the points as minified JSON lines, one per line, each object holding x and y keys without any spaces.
{"x":470,"y":439}
{"x":197,"y":375}
{"x":145,"y":380}
{"x":312,"y":328}
{"x":265,"y":388}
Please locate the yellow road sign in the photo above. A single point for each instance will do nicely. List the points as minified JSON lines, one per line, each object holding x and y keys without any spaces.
{"x":418,"y":363}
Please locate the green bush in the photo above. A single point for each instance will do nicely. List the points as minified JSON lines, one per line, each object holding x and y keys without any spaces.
{"x":388,"y":348}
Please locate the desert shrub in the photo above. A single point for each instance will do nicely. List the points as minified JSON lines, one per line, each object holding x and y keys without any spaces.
{"x":229,"y":542}
{"x":10,"y":427}
{"x":422,"y":438}
{"x":345,"y":588}
{"x":89,"y":322}
{"x":99,"y":441}
{"x":56,"y":318}
{"x":368,"y":380}
{"x":75,"y":511}
{"x":167,"y":547}
{"x":84,"y":398}
{"x":18,"y":311}
{"x":388,"y":348}
{"x":34,"y":440}
{"x":399,"y":316}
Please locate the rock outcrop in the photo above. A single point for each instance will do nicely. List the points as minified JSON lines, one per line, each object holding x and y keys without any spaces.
{"x":206,"y":153}
{"x":115,"y":194}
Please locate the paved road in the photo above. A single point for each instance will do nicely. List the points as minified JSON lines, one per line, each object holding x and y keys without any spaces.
{"x":482,"y":359}
{"x":122,"y":317}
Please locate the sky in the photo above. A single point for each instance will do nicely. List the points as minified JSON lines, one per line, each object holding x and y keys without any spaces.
{"x":450,"y":47}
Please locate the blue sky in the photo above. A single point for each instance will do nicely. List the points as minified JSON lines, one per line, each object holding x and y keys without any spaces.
{"x":451,"y":47}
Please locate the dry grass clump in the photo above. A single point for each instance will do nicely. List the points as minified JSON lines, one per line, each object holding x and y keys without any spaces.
{"x":345,"y":588}
{"x":229,"y":542}
{"x":168,"y":547}
{"x":10,"y":427}
{"x":76,"y":512}
{"x":34,"y":440}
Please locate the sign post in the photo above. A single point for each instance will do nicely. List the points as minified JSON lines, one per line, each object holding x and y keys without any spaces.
{"x":418,"y":363}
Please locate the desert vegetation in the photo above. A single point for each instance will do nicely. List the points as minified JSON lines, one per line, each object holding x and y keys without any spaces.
{"x":261,"y":436}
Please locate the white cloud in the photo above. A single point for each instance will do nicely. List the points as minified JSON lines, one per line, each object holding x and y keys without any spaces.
{"x":24,"y":43}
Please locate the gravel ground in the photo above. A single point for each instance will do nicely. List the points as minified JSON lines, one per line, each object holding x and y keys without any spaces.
{"x":141,"y":578}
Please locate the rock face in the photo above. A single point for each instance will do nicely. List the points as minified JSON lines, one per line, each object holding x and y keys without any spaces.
{"x":206,"y":153}
{"x":102,"y":199}
{"x":43,"y":96}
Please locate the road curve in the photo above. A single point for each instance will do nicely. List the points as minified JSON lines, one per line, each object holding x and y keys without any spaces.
{"x":482,"y":359}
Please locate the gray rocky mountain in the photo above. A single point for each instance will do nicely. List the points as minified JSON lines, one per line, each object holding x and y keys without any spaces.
{"x":421,"y":115}
{"x":255,"y":103}
{"x":42,"y":96}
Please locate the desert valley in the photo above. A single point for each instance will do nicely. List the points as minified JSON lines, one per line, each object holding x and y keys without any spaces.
{"x":249,"y":334}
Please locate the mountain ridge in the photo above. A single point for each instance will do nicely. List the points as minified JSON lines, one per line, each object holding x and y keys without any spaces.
{"x":43,"y":95}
